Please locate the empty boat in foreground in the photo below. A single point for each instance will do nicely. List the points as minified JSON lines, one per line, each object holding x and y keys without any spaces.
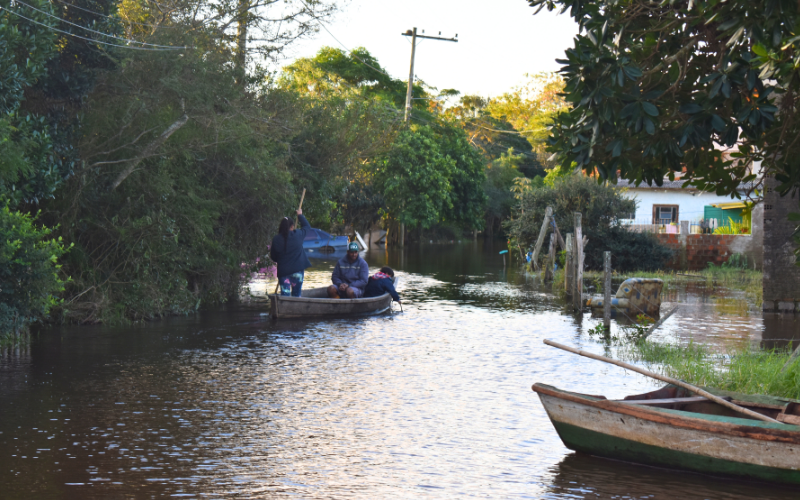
{"x":671,"y":428}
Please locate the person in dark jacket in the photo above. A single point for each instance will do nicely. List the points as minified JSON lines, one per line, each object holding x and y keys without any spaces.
{"x":287,"y":252}
{"x":380,"y":283}
{"x":350,"y":275}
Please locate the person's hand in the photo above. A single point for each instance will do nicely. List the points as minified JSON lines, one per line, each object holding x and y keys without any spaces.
{"x":299,"y":211}
{"x":343,"y":287}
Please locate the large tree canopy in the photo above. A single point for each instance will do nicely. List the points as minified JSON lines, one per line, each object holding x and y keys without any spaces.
{"x":656,"y":87}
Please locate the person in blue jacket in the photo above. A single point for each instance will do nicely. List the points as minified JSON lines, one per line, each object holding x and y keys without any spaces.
{"x":287,"y":252}
{"x":349,"y":276}
{"x":380,"y":283}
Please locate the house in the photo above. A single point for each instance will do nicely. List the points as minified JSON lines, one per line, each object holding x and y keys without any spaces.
{"x":672,"y":203}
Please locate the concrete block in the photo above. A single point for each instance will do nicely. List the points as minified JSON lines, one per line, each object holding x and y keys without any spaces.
{"x":768,"y":305}
{"x":786,"y":305}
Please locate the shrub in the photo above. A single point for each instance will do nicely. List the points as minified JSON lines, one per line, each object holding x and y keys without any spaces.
{"x":28,"y":271}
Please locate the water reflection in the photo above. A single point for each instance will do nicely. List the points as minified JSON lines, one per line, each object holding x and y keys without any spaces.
{"x":433,"y":402}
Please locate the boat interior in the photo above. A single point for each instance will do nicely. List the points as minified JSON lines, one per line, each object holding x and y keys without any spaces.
{"x":677,"y":398}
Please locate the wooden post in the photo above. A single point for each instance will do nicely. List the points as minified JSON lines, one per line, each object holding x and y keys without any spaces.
{"x":402,"y":234}
{"x":551,"y":259}
{"x":548,"y":213}
{"x":607,"y":290}
{"x":577,"y":284}
{"x":568,"y":273}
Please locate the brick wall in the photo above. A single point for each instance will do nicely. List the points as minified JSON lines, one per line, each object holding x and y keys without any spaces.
{"x":694,"y":251}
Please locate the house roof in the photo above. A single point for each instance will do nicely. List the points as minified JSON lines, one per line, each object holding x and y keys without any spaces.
{"x":668,"y":184}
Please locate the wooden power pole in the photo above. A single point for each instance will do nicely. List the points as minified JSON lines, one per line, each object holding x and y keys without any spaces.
{"x":413,"y":34}
{"x":409,"y":92}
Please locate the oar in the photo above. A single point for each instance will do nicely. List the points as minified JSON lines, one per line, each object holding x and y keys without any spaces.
{"x":302,"y":197}
{"x":669,"y":380}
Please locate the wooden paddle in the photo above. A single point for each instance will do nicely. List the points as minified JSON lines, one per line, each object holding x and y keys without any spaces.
{"x":302,"y":197}
{"x":669,"y":380}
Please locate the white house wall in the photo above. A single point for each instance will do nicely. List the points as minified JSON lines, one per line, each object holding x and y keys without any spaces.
{"x":690,"y":206}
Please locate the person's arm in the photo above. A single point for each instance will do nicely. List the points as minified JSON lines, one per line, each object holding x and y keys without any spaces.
{"x":303,"y":222}
{"x":392,"y":291}
{"x":363,"y":276}
{"x":336,"y":277}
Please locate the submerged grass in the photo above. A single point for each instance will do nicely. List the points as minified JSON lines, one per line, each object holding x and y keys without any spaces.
{"x":745,"y":370}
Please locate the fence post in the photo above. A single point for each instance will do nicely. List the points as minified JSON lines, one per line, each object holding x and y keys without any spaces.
{"x":551,"y":258}
{"x":577,"y":284}
{"x":568,"y":273}
{"x":548,"y":213}
{"x":607,"y":290}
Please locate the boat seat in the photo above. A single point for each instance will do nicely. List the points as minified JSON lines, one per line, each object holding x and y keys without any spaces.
{"x":666,"y":401}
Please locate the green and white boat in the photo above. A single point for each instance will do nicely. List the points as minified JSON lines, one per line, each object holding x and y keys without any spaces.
{"x":672,"y":428}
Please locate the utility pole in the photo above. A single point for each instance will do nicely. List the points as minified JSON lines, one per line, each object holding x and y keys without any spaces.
{"x":413,"y":34}
{"x":409,"y":92}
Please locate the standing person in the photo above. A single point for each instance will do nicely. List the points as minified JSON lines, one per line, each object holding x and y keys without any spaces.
{"x":380,"y":283}
{"x":287,"y":252}
{"x":349,"y":276}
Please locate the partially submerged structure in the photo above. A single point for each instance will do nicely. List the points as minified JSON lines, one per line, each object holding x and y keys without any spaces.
{"x":635,"y":296}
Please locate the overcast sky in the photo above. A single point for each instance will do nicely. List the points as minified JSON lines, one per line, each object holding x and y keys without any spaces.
{"x":499,"y":40}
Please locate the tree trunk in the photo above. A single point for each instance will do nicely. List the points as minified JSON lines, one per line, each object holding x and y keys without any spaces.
{"x":240,"y":59}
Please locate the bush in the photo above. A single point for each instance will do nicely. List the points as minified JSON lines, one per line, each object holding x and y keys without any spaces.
{"x":28,"y":271}
{"x":601,"y":206}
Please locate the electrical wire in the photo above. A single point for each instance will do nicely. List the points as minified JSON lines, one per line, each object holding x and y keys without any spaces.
{"x":51,"y":28}
{"x":112,"y":17}
{"x":97,"y":32}
{"x":321,"y":23}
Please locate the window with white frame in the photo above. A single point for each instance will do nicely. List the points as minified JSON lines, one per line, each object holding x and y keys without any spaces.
{"x":665,"y":214}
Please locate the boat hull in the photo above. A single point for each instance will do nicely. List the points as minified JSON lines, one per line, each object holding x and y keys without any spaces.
{"x":711,"y":445}
{"x":315,"y":304}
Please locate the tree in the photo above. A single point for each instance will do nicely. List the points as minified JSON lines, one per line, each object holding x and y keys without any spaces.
{"x":333,"y":72}
{"x":415,"y":178}
{"x":531,"y":108}
{"x":659,"y":87}
{"x":28,"y":170}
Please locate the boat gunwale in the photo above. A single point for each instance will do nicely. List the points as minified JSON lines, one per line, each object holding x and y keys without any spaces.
{"x":759,"y":430}
{"x":318,"y":300}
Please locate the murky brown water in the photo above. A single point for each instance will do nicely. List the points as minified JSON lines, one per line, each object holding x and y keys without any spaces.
{"x":434,"y":402}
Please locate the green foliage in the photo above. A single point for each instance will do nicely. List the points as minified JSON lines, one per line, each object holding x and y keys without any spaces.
{"x":600,"y":206}
{"x":29,"y":271}
{"x":654,"y":90}
{"x":415,"y":178}
{"x":332,"y":72}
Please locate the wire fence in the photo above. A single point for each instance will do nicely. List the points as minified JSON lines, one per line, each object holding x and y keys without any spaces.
{"x":668,"y":226}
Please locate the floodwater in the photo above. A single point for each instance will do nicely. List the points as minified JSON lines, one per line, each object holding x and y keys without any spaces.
{"x":433,"y":402}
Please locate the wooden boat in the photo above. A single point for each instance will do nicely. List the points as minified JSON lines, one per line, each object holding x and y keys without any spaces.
{"x":315,"y":304}
{"x":671,"y":428}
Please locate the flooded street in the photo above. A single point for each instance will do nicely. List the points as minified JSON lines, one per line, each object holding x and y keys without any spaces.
{"x":434,"y":402}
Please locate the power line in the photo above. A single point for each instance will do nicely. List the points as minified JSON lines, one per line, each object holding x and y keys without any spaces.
{"x":97,"y":32}
{"x":112,"y":17}
{"x":51,"y":28}
{"x":322,"y":23}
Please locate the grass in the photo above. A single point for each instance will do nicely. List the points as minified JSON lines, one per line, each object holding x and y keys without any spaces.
{"x":745,"y":370}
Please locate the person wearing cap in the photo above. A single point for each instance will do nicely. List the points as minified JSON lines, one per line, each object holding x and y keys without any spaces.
{"x":287,"y":252}
{"x":349,"y":276}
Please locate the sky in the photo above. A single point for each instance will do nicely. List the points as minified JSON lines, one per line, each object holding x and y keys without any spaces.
{"x":498,"y":41}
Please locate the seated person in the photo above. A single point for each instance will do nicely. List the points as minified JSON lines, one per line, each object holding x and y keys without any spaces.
{"x":349,"y":276}
{"x":380,"y":283}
